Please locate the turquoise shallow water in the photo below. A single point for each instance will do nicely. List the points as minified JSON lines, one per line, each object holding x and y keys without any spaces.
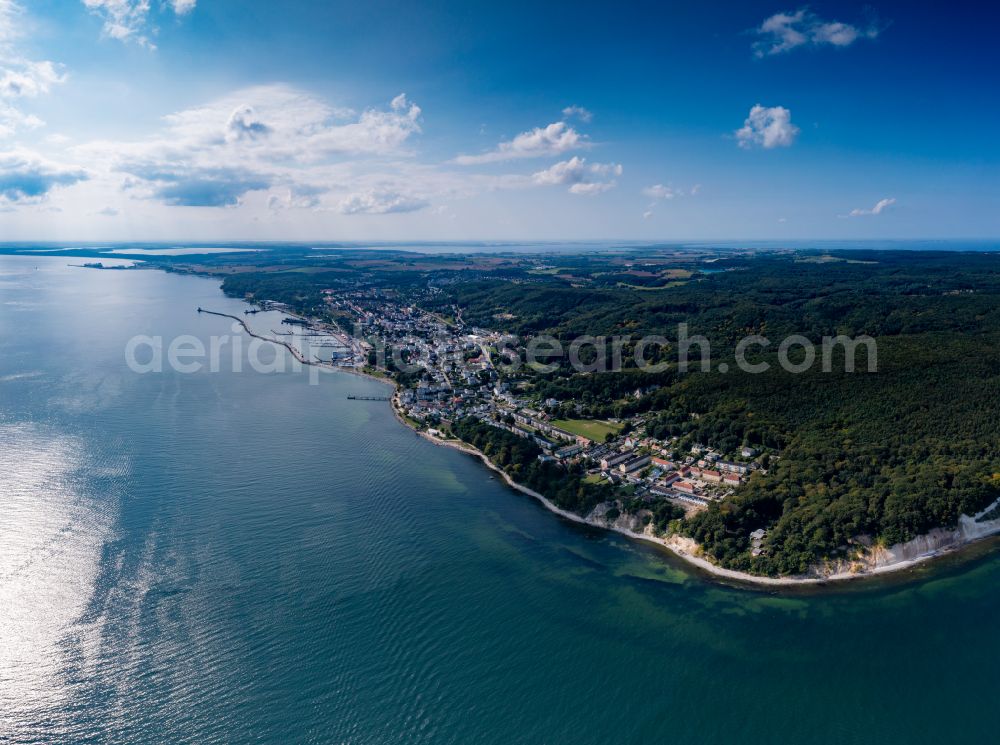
{"x":232,"y":557}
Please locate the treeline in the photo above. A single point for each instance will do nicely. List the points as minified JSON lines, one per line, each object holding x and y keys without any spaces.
{"x":600,"y":390}
{"x":518,"y":457}
{"x":890,"y":455}
{"x":877,"y":293}
{"x":302,"y":292}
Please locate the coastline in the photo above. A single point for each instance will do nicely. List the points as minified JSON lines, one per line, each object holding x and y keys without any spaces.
{"x":880,"y":561}
{"x":688,"y":550}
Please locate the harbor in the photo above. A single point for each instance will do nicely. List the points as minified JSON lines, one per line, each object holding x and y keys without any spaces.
{"x":310,"y":342}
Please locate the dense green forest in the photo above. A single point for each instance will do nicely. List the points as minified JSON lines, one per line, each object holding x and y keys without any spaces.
{"x":860,"y":292}
{"x":518,"y":457}
{"x":299,"y":290}
{"x":888,"y":454}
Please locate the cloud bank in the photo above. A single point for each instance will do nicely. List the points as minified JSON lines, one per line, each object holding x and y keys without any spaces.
{"x":375,"y":202}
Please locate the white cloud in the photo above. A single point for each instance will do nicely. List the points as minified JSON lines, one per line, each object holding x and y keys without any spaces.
{"x":27,"y":177}
{"x":659,"y":191}
{"x":579,"y":112}
{"x":244,"y":124}
{"x":276,"y":149}
{"x":554,"y":139}
{"x":667,"y":192}
{"x":26,"y":79}
{"x":591,"y":187}
{"x":253,"y":140}
{"x":13,"y":119}
{"x":128,"y":20}
{"x":767,"y":127}
{"x":784,"y":32}
{"x":300,"y":196}
{"x":123,"y":19}
{"x":880,"y":206}
{"x":20,"y":77}
{"x":8,"y":9}
{"x":373,"y":202}
{"x":581,"y":177}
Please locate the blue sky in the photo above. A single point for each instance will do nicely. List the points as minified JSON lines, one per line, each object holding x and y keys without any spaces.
{"x":226,"y":119}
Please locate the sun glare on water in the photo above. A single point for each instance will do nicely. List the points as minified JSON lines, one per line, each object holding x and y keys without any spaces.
{"x":50,"y":547}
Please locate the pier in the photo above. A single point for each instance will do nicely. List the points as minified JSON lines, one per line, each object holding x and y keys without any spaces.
{"x":295,"y":352}
{"x":340,"y":360}
{"x":369,"y":398}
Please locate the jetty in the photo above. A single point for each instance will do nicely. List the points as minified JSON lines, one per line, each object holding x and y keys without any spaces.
{"x":295,"y":352}
{"x":369,"y":398}
{"x":340,"y":356}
